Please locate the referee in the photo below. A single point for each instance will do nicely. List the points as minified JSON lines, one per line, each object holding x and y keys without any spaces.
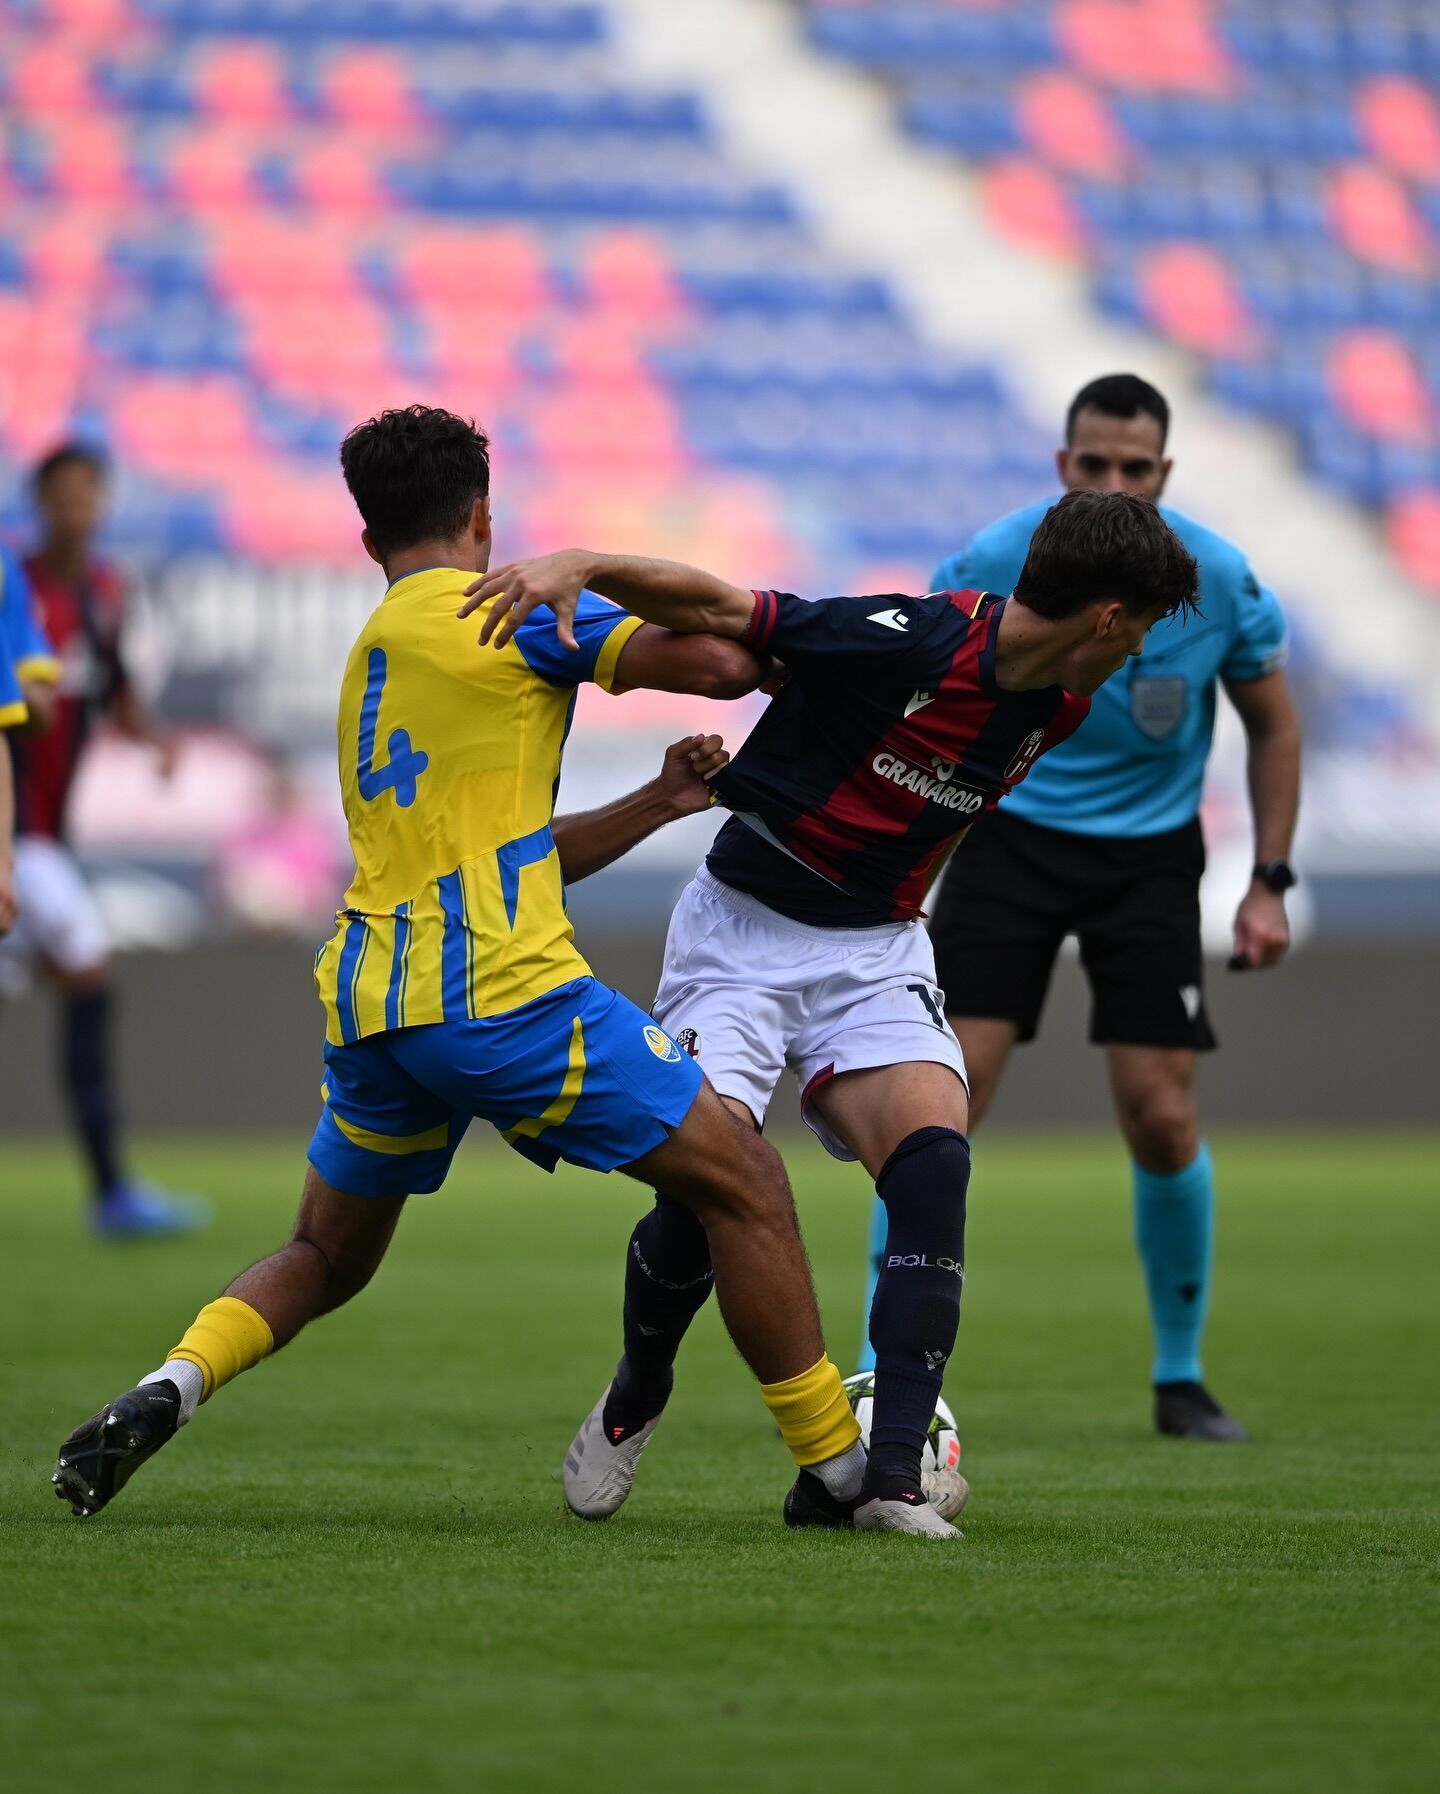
{"x":1103,"y":841}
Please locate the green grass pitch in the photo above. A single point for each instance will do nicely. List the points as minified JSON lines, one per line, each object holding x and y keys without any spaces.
{"x":354,"y":1572}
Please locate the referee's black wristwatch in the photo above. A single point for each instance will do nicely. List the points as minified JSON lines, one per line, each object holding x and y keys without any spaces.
{"x":1276,"y":875}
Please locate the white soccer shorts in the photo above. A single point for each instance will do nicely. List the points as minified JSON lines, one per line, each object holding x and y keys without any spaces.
{"x":749,"y":992}
{"x":59,"y":921}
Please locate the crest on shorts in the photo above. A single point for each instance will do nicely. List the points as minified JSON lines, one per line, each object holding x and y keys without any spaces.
{"x":660,"y":1044}
{"x":1157,"y":706}
{"x":689,"y":1042}
{"x":1025,"y":758}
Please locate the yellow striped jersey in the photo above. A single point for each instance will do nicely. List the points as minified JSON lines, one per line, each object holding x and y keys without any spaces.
{"x":449,"y":760}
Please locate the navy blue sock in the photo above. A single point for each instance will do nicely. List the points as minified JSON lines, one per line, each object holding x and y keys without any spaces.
{"x":916,"y":1311}
{"x":668,"y":1277}
{"x":85,"y":1062}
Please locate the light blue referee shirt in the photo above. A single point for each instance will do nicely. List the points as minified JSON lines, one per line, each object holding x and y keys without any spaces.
{"x":1136,"y":765}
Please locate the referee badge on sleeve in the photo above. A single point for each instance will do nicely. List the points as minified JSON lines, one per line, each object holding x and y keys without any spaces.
{"x":1157,"y":706}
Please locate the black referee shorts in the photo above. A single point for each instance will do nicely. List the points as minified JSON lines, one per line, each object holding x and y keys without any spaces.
{"x":1014,"y":890}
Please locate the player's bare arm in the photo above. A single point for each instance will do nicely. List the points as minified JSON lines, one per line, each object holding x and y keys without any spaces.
{"x":678,"y":597}
{"x":1272,"y":732}
{"x":700,"y":666}
{"x":40,"y":701}
{"x":593,"y":839}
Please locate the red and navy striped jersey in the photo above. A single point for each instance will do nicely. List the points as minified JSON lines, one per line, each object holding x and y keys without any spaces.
{"x":83,"y":621}
{"x":888,"y":740}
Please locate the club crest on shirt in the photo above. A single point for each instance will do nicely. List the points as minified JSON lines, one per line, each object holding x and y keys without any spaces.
{"x":660,"y":1044}
{"x":1157,"y":706}
{"x":1026,"y":757}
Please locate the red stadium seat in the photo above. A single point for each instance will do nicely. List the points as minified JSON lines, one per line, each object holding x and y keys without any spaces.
{"x":1189,"y":291}
{"x":1166,"y":44}
{"x":278,"y":511}
{"x":1376,"y":220}
{"x":1066,"y":122}
{"x":338,"y":176}
{"x":497,"y":272}
{"x":243,"y":81}
{"x":214,"y":165}
{"x":628,"y":272}
{"x":1379,"y":388}
{"x":1413,"y":531}
{"x":369,"y":88}
{"x":187,"y":430}
{"x":1398,"y":119}
{"x":48,"y":80}
{"x":257,"y":251}
{"x":1031,"y":206}
{"x":90,"y":159}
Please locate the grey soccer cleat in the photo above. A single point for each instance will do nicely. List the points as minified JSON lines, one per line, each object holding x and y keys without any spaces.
{"x":599,"y":1470}
{"x":901,"y":1515}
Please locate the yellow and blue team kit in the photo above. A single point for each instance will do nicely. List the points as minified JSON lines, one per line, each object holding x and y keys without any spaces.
{"x":452,"y":985}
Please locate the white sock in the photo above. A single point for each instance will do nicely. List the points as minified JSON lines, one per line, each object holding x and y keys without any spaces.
{"x":843,"y":1476}
{"x":186,"y":1378}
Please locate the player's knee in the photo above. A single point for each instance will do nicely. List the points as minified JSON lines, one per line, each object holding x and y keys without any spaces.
{"x":925,"y":1181}
{"x":1163,"y":1130}
{"x":749,"y":1184}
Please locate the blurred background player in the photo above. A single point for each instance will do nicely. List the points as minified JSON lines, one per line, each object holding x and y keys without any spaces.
{"x":23,"y":655}
{"x":1104,"y":841}
{"x":79,"y":601}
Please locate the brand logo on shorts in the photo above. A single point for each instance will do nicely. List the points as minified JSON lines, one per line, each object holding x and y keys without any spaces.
{"x":937,"y":788}
{"x":1190,"y":997}
{"x":661,"y":1045}
{"x":688,"y":1041}
{"x":1026,"y":758}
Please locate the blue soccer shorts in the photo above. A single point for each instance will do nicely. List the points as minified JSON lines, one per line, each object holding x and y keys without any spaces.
{"x":580,"y":1074}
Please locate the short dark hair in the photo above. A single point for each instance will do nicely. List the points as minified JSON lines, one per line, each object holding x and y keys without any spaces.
{"x":1119,"y":395}
{"x":1096,"y":545}
{"x":415,"y":474}
{"x":70,"y":454}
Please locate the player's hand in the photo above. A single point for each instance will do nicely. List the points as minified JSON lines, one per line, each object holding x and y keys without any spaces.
{"x":521,"y":586}
{"x":9,"y":909}
{"x":686,"y":770}
{"x":1262,"y":929}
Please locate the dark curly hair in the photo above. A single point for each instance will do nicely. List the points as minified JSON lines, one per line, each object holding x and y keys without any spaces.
{"x":415,"y":474}
{"x":1098,"y":545}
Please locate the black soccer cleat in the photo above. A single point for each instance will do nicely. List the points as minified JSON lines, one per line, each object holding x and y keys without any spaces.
{"x":101,"y":1456}
{"x":1189,"y":1411}
{"x":809,"y":1503}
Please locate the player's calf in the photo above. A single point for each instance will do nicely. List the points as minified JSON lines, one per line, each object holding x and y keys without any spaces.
{"x":916,"y":1311}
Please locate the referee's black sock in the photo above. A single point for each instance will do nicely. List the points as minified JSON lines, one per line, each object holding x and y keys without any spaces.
{"x":85,"y":1063}
{"x":916,"y":1311}
{"x":667,"y":1279}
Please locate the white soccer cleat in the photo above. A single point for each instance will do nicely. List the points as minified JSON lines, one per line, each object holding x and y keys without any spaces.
{"x":903,"y":1516}
{"x":946,"y":1491}
{"x":599,"y":1472}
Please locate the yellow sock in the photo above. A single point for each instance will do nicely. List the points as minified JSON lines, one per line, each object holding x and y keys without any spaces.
{"x":813,"y":1414}
{"x":226,"y":1337}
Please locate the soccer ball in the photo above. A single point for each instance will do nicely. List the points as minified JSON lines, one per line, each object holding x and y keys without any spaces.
{"x":942,"y":1443}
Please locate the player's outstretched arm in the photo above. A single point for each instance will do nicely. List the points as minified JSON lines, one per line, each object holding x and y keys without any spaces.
{"x":677,"y":597}
{"x":592,"y":839}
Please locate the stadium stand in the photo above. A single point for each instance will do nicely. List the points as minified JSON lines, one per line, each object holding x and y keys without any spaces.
{"x":233,"y":229}
{"x":1258,"y":182}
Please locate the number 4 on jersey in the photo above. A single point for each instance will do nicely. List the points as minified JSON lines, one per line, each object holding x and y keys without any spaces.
{"x":403,"y":769}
